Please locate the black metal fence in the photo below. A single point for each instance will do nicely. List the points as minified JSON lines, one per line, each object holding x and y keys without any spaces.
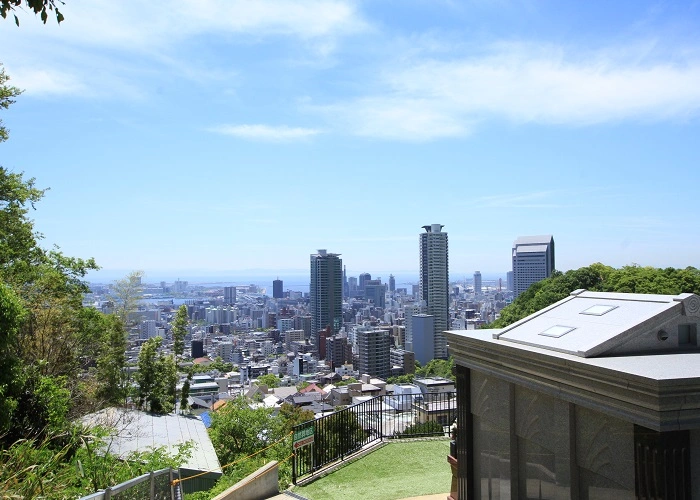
{"x":338,"y":435}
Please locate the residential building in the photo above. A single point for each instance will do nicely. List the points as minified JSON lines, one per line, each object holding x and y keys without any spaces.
{"x":404,"y":359}
{"x":326,"y":293}
{"x":435,"y":282}
{"x":392,"y":283}
{"x":373,"y":350}
{"x":595,"y":396}
{"x":477,"y":283}
{"x":229,"y":295}
{"x":533,"y":261}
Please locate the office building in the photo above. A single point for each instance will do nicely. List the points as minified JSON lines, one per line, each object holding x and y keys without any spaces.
{"x":374,"y":352}
{"x":376,"y":292}
{"x":326,"y":293}
{"x":422,"y":337}
{"x":229,"y":295}
{"x":435,"y":282}
{"x":364,"y":278}
{"x":477,"y":283}
{"x":392,"y":283}
{"x":509,"y":281}
{"x":533,"y":261}
{"x":277,"y":286}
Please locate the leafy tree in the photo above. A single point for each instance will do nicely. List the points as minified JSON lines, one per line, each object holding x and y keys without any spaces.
{"x":437,"y":368}
{"x":179,"y":330}
{"x":11,"y":316}
{"x":7,"y":95}
{"x":270,"y":380}
{"x":126,"y":293}
{"x":39,"y":7}
{"x":401,"y":379}
{"x":157,"y":378}
{"x":292,"y":415}
{"x":111,"y":362}
{"x":349,"y":380}
{"x":185,"y":393}
{"x":238,"y":430}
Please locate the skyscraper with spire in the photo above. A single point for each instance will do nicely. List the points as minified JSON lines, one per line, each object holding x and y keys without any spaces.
{"x":435,"y":282}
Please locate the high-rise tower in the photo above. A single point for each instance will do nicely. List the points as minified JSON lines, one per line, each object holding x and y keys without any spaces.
{"x":533,"y":261}
{"x":326,"y":293}
{"x":477,"y":283}
{"x":277,"y":289}
{"x":435,"y":282}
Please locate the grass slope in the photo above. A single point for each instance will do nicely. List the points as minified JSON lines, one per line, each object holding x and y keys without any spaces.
{"x":397,"y":470}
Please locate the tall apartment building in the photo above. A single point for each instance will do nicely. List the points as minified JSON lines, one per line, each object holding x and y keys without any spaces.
{"x":392,"y":283}
{"x":326,"y":293}
{"x":435,"y":282}
{"x":373,"y":347}
{"x":277,"y":292}
{"x":230,"y":295}
{"x":477,"y":283}
{"x":533,"y":261}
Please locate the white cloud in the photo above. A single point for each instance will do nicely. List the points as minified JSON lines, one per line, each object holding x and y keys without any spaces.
{"x":523,"y":83}
{"x":266,"y":132}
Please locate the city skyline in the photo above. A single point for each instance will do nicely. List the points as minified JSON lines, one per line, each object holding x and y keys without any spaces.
{"x":196,"y":140}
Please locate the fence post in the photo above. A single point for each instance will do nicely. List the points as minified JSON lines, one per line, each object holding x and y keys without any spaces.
{"x":108,"y":493}
{"x":152,"y":481}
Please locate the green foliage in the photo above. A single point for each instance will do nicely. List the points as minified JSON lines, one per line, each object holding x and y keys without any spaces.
{"x":293,"y":415}
{"x":40,"y":7}
{"x":238,"y":430}
{"x":126,"y":293}
{"x":218,"y":365}
{"x":7,"y":93}
{"x":302,"y":385}
{"x":437,"y":368}
{"x":270,"y":380}
{"x":156,"y":377}
{"x":601,"y":278}
{"x":185,"y":393}
{"x":179,"y":330}
{"x":426,"y":428}
{"x":72,"y":465}
{"x":349,"y":380}
{"x":402,"y":379}
{"x":111,"y":361}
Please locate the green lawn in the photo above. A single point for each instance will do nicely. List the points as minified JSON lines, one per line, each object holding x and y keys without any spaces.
{"x":397,"y":470}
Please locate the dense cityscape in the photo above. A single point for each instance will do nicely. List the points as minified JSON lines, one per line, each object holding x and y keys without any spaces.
{"x":345,"y":325}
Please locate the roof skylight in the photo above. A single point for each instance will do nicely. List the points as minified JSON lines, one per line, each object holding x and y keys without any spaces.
{"x":598,"y":310}
{"x":557,"y":331}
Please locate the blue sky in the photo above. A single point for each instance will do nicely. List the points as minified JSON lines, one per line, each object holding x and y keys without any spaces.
{"x":217,"y":137}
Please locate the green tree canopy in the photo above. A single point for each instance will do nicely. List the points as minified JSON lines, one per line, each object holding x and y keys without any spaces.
{"x":270,"y":380}
{"x":179,"y":331}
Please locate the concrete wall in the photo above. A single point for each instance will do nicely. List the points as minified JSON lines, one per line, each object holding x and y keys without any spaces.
{"x":261,"y":484}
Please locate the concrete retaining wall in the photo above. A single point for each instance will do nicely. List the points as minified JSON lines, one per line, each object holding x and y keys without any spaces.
{"x":261,"y":484}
